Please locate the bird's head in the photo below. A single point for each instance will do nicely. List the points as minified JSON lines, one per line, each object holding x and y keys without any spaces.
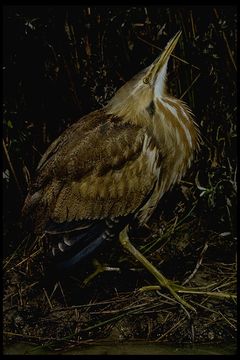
{"x":139,"y":93}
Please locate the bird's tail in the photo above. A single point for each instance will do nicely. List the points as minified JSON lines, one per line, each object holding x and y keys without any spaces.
{"x":71,"y":244}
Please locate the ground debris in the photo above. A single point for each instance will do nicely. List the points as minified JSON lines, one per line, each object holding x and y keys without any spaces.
{"x":110,"y":307}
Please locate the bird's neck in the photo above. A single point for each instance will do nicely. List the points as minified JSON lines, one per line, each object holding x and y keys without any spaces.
{"x":168,"y":119}
{"x":133,"y":107}
{"x":174,"y":126}
{"x":169,"y":125}
{"x":178,"y":138}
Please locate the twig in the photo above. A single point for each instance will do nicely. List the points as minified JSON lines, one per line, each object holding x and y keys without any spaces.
{"x":47,"y":297}
{"x":88,"y":305}
{"x":192,"y":23}
{"x":166,"y":297}
{"x":8,"y":260}
{"x":61,"y":289}
{"x":226,"y":42}
{"x":26,"y":288}
{"x":28,"y":258}
{"x":53,"y":292}
{"x":190,"y":86}
{"x":12,"y":169}
{"x":135,"y":307}
{"x":215,"y":312}
{"x":204,"y":307}
{"x":225,"y":284}
{"x":228,"y":321}
{"x":8,"y":333}
{"x":38,"y":152}
{"x":174,"y":327}
{"x":199,"y":262}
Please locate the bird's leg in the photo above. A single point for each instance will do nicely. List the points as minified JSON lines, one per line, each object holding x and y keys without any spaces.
{"x":164,"y":282}
{"x":99,"y":268}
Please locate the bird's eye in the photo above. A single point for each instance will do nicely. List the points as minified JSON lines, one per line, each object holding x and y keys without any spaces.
{"x":146,"y":80}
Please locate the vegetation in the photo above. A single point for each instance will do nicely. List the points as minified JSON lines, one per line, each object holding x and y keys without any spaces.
{"x":61,"y":62}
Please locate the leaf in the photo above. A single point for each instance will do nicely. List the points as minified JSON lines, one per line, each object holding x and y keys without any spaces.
{"x":9,"y":124}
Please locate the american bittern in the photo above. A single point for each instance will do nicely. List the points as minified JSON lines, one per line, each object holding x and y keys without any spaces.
{"x":111,"y":167}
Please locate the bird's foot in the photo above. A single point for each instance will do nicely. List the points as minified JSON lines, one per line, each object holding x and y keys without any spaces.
{"x":124,"y":240}
{"x":204,"y":290}
{"x":100,"y":268}
{"x":172,"y":289}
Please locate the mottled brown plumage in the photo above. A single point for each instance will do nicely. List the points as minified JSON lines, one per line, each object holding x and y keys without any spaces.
{"x":114,"y":164}
{"x":95,"y":169}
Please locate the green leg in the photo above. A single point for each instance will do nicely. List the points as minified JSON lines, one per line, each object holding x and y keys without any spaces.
{"x":124,"y":240}
{"x":99,"y":269}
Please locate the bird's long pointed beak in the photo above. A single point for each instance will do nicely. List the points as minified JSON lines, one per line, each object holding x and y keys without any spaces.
{"x":169,"y":48}
{"x":163,"y":58}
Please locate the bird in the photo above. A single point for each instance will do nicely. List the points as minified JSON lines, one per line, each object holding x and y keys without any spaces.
{"x":110,"y":168}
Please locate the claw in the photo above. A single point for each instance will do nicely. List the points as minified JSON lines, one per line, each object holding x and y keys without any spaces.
{"x":109,"y":224}
{"x":67,"y":241}
{"x":61,"y":246}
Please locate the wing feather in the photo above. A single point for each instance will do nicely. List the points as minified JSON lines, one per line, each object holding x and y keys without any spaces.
{"x":96,"y":169}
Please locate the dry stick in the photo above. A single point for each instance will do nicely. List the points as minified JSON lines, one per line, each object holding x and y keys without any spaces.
{"x":127,"y":308}
{"x":47,"y":297}
{"x":215,"y":312}
{"x":11,"y":167}
{"x":38,"y":152}
{"x":228,"y":321}
{"x":192,"y":23}
{"x":8,"y":333}
{"x":190,"y":86}
{"x":174,"y":327}
{"x":226,"y":42}
{"x":225,"y":284}
{"x":199,"y":262}
{"x":8,"y":260}
{"x":229,"y":50}
{"x":72,"y":87}
{"x":85,"y":305}
{"x":166,"y":297}
{"x":61,"y":289}
{"x":26,"y":288}
{"x":24,"y":260}
{"x":54,"y":289}
{"x":124,"y":313}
